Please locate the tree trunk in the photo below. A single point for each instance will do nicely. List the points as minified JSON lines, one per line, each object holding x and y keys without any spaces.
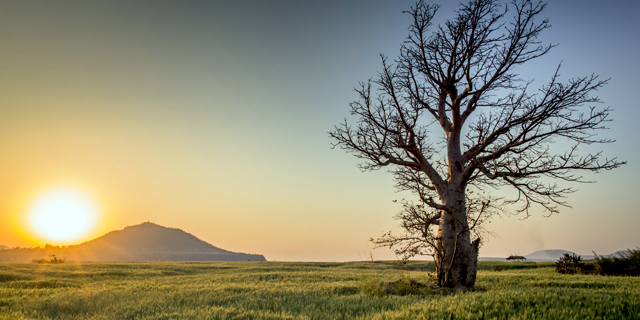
{"x":458,"y":256}
{"x":458,"y":259}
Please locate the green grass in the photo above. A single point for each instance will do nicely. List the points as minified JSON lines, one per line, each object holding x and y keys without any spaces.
{"x":275,"y":290}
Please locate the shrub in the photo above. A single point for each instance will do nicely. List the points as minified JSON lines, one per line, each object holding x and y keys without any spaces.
{"x":627,"y":264}
{"x":569,"y":264}
{"x":53,"y":260}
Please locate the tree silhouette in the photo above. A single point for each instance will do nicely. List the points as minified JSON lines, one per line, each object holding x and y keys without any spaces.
{"x":494,"y":130}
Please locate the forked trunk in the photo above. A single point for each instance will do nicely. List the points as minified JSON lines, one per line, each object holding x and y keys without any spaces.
{"x":457,"y":259}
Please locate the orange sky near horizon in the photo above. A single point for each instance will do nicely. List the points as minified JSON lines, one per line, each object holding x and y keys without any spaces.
{"x":212,"y":117}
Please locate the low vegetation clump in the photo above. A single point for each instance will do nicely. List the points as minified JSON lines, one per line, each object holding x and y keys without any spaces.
{"x":53,"y":260}
{"x":626,"y":264}
{"x":570,"y":264}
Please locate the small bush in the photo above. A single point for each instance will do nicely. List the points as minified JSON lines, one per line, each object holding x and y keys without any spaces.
{"x":53,"y":260}
{"x":628,"y":264}
{"x":569,"y":264}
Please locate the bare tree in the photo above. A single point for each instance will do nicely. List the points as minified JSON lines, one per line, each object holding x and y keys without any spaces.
{"x":460,"y":80}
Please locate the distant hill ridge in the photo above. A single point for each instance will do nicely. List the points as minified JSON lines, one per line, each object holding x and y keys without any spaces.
{"x":151,"y":237}
{"x":144,"y":242}
{"x":549,"y":255}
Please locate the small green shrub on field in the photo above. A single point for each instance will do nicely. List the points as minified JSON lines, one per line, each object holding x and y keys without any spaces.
{"x":569,"y":264}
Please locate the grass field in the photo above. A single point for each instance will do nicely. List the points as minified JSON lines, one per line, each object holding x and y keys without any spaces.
{"x":279,"y":290}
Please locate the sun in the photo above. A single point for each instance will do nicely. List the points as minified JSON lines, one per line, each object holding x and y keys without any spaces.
{"x":63,"y":215}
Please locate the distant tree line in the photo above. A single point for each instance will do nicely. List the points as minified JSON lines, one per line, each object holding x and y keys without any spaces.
{"x":46,"y":246}
{"x":626,"y":264}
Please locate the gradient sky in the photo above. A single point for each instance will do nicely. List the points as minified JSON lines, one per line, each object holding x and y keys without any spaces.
{"x":212,"y":117}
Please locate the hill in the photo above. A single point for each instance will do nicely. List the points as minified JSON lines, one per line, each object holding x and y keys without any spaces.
{"x":547,"y":255}
{"x":143,"y":242}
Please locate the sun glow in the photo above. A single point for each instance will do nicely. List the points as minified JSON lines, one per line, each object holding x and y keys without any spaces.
{"x":63,"y":215}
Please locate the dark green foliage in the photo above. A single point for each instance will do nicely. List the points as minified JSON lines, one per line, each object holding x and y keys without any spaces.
{"x":569,"y":264}
{"x":628,"y":264}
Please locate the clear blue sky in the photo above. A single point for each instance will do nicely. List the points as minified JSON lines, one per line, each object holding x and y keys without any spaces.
{"x":212,"y":117}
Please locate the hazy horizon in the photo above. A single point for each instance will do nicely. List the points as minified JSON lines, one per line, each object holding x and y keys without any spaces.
{"x":169,"y":242}
{"x":212,"y":117}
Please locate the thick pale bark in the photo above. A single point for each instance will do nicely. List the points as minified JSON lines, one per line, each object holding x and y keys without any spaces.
{"x":458,"y":256}
{"x":457,"y":262}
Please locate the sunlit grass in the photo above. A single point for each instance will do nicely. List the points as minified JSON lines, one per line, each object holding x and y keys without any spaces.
{"x":269,"y":290}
